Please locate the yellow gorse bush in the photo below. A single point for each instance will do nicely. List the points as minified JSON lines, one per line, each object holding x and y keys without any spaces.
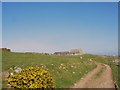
{"x":32,"y":77}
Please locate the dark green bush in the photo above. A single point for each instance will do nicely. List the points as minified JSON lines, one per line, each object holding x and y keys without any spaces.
{"x":32,"y":77}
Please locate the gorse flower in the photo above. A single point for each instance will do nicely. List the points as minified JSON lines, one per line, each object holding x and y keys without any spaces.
{"x":32,"y":77}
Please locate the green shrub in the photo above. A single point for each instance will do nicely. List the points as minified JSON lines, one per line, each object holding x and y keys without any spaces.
{"x":32,"y":77}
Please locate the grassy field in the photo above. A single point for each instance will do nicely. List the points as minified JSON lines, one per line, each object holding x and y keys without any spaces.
{"x":66,"y":70}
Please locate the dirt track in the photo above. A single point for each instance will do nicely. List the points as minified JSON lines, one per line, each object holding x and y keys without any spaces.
{"x":100,"y":77}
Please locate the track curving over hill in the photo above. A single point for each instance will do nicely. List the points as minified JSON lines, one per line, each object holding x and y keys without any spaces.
{"x":100,"y":77}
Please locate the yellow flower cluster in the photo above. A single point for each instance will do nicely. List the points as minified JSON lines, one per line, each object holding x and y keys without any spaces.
{"x":32,"y":77}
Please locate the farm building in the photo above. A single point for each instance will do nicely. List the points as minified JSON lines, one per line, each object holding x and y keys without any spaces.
{"x":71,"y":52}
{"x":76,"y":52}
{"x":62,"y":53}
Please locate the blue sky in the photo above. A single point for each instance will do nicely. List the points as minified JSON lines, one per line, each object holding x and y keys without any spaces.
{"x":60,"y":0}
{"x":50,"y":27}
{"x":0,"y":24}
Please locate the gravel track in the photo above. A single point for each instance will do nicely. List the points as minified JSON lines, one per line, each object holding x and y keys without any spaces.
{"x":100,"y":77}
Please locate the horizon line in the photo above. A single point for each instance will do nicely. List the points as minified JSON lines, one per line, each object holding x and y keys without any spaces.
{"x":17,"y":51}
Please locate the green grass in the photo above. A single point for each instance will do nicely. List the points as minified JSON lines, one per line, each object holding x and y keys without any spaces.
{"x":74,"y":69}
{"x":66,"y":70}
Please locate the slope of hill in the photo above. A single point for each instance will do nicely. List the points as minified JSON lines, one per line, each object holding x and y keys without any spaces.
{"x":65,"y":69}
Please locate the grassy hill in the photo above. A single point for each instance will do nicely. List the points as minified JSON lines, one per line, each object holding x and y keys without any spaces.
{"x":65,"y":69}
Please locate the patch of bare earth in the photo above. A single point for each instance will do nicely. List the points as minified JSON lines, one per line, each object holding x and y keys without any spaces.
{"x":100,"y":77}
{"x":4,"y":75}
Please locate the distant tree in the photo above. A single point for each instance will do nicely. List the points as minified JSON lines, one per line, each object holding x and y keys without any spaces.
{"x":5,"y":49}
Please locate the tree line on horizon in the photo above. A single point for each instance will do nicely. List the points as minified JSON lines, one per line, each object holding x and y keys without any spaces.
{"x":5,"y":49}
